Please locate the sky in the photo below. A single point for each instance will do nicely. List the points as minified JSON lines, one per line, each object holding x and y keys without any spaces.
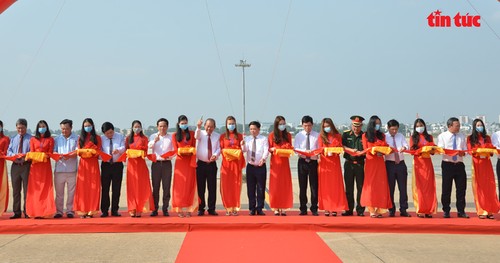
{"x":121,"y":60}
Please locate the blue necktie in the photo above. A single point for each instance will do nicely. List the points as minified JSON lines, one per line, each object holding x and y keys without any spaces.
{"x":454,"y":158}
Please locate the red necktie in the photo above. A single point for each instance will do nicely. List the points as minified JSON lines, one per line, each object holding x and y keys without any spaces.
{"x":20,"y":150}
{"x":209,"y":147}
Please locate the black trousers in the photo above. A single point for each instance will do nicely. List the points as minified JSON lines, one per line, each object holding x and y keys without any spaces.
{"x":354,"y":173}
{"x":111,"y":175}
{"x":453,"y":172}
{"x":256,"y":186}
{"x":161,"y":173}
{"x":19,"y":176}
{"x":206,"y":177}
{"x":398,"y":173}
{"x":498,"y":177}
{"x":308,"y":171}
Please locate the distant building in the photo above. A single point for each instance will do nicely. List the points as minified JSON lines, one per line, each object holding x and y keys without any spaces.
{"x":464,"y":119}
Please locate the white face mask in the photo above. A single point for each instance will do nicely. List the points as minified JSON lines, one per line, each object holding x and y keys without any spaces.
{"x":137,"y":130}
{"x":420,"y":129}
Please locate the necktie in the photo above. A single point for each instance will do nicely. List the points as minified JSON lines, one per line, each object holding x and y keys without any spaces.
{"x":396,"y":154}
{"x":254,"y":145}
{"x":209,"y":147}
{"x":111,"y":150}
{"x":454,"y":158}
{"x":308,"y":147}
{"x":20,"y":150}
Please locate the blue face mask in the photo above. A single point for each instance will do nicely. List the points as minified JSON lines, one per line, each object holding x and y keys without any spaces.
{"x":1,"y":129}
{"x":480,"y":129}
{"x":377,"y":127}
{"x":282,"y":127}
{"x":183,"y":126}
{"x":87,"y":128}
{"x":327,"y":129}
{"x":231,"y":127}
{"x":42,"y":130}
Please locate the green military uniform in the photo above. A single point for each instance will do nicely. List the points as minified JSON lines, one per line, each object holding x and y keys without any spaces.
{"x":354,"y":170}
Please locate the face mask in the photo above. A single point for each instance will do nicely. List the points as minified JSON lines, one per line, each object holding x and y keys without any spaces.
{"x":327,"y":129}
{"x":1,"y":129}
{"x":42,"y":130}
{"x":87,"y":128}
{"x":377,"y":127}
{"x":231,"y":127}
{"x":420,"y":129}
{"x":480,"y":129}
{"x":183,"y":126}
{"x":282,"y":127}
{"x":137,"y":130}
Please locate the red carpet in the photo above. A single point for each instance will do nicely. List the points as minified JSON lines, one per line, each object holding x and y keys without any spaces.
{"x":320,"y":223}
{"x":255,"y":246}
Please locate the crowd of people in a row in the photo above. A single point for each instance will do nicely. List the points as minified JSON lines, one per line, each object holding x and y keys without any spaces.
{"x":374,"y":162}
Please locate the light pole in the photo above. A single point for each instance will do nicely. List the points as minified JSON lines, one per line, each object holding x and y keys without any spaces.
{"x":243,"y":64}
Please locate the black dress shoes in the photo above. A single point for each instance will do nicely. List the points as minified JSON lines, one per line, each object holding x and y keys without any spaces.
{"x":347,"y":213}
{"x":105,"y":214}
{"x":115,"y":214}
{"x":463,"y":215}
{"x":392,"y":214}
{"x":154,"y":213}
{"x":261,"y":213}
{"x":166,"y":213}
{"x":446,"y":215}
{"x":212,"y":213}
{"x":404,"y":214}
{"x":15,"y":216}
{"x":57,"y":216}
{"x":315,"y":213}
{"x":253,"y":212}
{"x":201,"y":213}
{"x":303,"y":213}
{"x":361,"y":214}
{"x":70,"y":215}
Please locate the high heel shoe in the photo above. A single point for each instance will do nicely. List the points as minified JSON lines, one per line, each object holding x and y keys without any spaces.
{"x":327,"y":213}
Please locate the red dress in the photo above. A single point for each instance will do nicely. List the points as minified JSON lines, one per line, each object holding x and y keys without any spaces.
{"x":230,"y":173}
{"x":331,"y":193}
{"x":424,"y":181}
{"x":88,"y":181}
{"x":483,"y":180}
{"x":375,"y":193}
{"x":4,"y":180}
{"x":139,"y":195}
{"x":40,"y":194}
{"x":280,"y":180}
{"x":184,"y":191}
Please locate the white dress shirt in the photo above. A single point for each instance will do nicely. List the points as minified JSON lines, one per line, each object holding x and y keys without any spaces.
{"x":201,"y":137}
{"x":118,"y":144}
{"x":445,"y":141}
{"x":261,"y":149}
{"x":63,"y":145}
{"x":400,"y":143}
{"x":162,"y":146}
{"x":301,"y":141}
{"x":495,"y":140}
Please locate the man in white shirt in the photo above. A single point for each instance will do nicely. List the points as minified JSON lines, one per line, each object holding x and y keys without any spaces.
{"x":396,"y":167}
{"x":307,"y":140}
{"x":495,"y":139}
{"x":161,"y":170}
{"x":207,"y":153}
{"x":113,"y":143}
{"x":453,"y":168}
{"x":257,"y":148}
{"x":65,"y":169}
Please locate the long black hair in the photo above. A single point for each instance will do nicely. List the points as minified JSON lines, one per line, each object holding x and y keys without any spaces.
{"x":415,"y":137}
{"x":1,"y":132}
{"x":132,"y":133}
{"x":371,"y":133}
{"x":279,"y":136}
{"x":474,"y":137}
{"x":178,"y":134}
{"x":38,"y":135}
{"x":83,"y":133}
